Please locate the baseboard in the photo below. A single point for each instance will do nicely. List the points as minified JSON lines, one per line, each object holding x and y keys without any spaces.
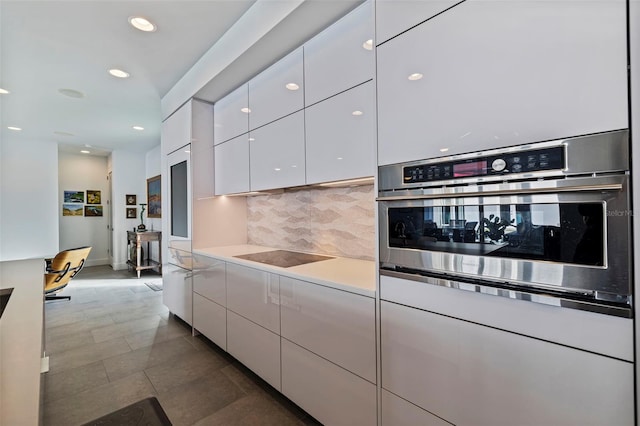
{"x":96,"y":262}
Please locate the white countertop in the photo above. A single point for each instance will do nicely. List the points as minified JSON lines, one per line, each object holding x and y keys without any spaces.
{"x":21,"y":342}
{"x":353,"y":275}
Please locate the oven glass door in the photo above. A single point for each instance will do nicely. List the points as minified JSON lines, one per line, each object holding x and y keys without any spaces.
{"x":563,"y":232}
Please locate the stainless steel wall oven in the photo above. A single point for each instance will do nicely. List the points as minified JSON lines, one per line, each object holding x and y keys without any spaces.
{"x":547,"y":222}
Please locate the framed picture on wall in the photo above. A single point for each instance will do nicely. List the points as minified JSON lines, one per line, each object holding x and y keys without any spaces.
{"x":154,"y":201}
{"x":131,"y":200}
{"x":93,"y":197}
{"x":72,"y":209}
{"x":132,"y":212}
{"x":93,"y":211}
{"x":74,"y":197}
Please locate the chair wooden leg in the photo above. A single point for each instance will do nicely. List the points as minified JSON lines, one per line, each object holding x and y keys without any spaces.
{"x":57,"y":297}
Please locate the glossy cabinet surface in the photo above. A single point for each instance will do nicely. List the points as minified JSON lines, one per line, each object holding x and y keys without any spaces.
{"x":436,"y":362}
{"x":231,"y":115}
{"x":210,"y":319}
{"x":277,"y":91}
{"x":176,"y":129}
{"x":399,"y":412}
{"x":277,"y":156}
{"x":336,"y":59}
{"x":232,"y":166}
{"x":209,"y":278}
{"x":202,"y":149}
{"x":340,"y":136}
{"x":255,"y":295}
{"x":329,"y":393}
{"x":177,"y":290}
{"x":396,"y":16}
{"x":254,"y":346}
{"x":334,"y":324}
{"x":496,"y":74}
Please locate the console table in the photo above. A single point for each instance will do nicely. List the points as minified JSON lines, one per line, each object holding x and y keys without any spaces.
{"x":139,"y":263}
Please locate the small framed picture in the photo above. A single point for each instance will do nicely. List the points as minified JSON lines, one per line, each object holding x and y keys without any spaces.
{"x":93,"y":197}
{"x":72,"y":209}
{"x":74,"y":197}
{"x":132,"y":212}
{"x":92,"y":211}
{"x":131,"y":200}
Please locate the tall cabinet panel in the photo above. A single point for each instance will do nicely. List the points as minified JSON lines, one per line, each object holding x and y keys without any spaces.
{"x":231,"y":115}
{"x":277,"y":154}
{"x":341,"y":56}
{"x":486,"y":74}
{"x":202,"y":149}
{"x":340,"y":136}
{"x":176,"y":129}
{"x":277,"y":91}
{"x":232,"y":166}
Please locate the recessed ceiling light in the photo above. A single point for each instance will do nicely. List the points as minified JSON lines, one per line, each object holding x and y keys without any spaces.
{"x":245,"y":110}
{"x":14,"y":128}
{"x":357,"y":112}
{"x":252,"y":139}
{"x":71,"y":93}
{"x":277,"y":169}
{"x":292,"y":86}
{"x":368,"y":44}
{"x":118,"y":73}
{"x":59,"y":133}
{"x":415,"y":76}
{"x":444,"y":149}
{"x":142,"y":24}
{"x":84,"y":151}
{"x":4,"y":91}
{"x":339,"y":158}
{"x":138,"y":128}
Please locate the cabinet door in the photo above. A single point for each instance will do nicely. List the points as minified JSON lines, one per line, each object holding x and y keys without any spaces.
{"x":341,"y":56}
{"x":232,"y":166}
{"x":177,"y":291}
{"x":396,"y":16}
{"x":329,"y":393}
{"x":277,"y":91}
{"x":231,"y":115}
{"x":502,"y":73}
{"x":202,"y":149}
{"x":254,"y":346}
{"x":503,"y":378}
{"x":340,"y":136}
{"x":255,"y":295}
{"x":277,"y":154}
{"x":399,"y":412}
{"x":176,"y":129}
{"x":209,"y":278}
{"x":210,"y":319}
{"x":334,"y":324}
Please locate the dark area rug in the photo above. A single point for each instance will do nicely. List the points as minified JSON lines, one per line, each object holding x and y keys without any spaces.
{"x":147,"y":412}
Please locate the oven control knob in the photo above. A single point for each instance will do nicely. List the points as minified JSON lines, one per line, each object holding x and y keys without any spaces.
{"x":498,"y":164}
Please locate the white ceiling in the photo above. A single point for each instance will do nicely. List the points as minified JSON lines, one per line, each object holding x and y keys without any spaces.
{"x":50,"y":45}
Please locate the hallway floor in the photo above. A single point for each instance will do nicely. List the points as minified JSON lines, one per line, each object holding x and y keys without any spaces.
{"x":115,"y":343}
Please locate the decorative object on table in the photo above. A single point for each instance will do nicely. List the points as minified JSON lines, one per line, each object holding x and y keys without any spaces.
{"x":141,"y":227}
{"x":93,"y":211}
{"x":132,"y":212}
{"x":74,"y":197}
{"x":154,"y":197}
{"x":94,"y":197}
{"x":131,"y":201}
{"x":72,"y":209}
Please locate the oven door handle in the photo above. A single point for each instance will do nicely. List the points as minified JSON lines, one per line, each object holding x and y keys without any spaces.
{"x":534,"y":189}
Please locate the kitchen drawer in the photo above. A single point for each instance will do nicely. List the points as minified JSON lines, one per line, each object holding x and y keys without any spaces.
{"x":334,"y":324}
{"x":209,"y":279}
{"x":254,"y":294}
{"x":329,"y":393}
{"x":254,"y":346}
{"x":177,"y":291}
{"x":210,"y":319}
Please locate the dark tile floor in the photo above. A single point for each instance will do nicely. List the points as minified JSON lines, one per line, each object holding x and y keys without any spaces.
{"x":115,"y":343}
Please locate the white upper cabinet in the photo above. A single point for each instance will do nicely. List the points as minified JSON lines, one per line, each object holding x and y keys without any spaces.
{"x":277,"y":154}
{"x":277,"y":91}
{"x":202,"y":149}
{"x":232,"y":166}
{"x":231,"y":115}
{"x":488,"y":74}
{"x":396,"y":16}
{"x":340,"y":136}
{"x":176,"y":130}
{"x":341,"y":56}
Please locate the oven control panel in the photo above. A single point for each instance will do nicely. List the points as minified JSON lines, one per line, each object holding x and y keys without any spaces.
{"x":513,"y":162}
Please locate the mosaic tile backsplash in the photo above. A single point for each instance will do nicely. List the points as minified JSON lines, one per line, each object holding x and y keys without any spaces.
{"x":332,"y":221}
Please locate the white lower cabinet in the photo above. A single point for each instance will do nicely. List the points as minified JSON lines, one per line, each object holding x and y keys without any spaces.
{"x":398,"y":412}
{"x":470,"y":374}
{"x":177,"y":291}
{"x":209,"y":278}
{"x":254,"y":346}
{"x":210,"y":319}
{"x":335,"y":324}
{"x":331,"y":394}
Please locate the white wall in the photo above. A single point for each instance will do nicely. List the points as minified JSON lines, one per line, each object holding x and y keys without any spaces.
{"x":28,"y":200}
{"x":79,"y":172}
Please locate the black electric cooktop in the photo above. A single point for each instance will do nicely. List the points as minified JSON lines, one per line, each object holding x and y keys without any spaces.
{"x":283,"y":258}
